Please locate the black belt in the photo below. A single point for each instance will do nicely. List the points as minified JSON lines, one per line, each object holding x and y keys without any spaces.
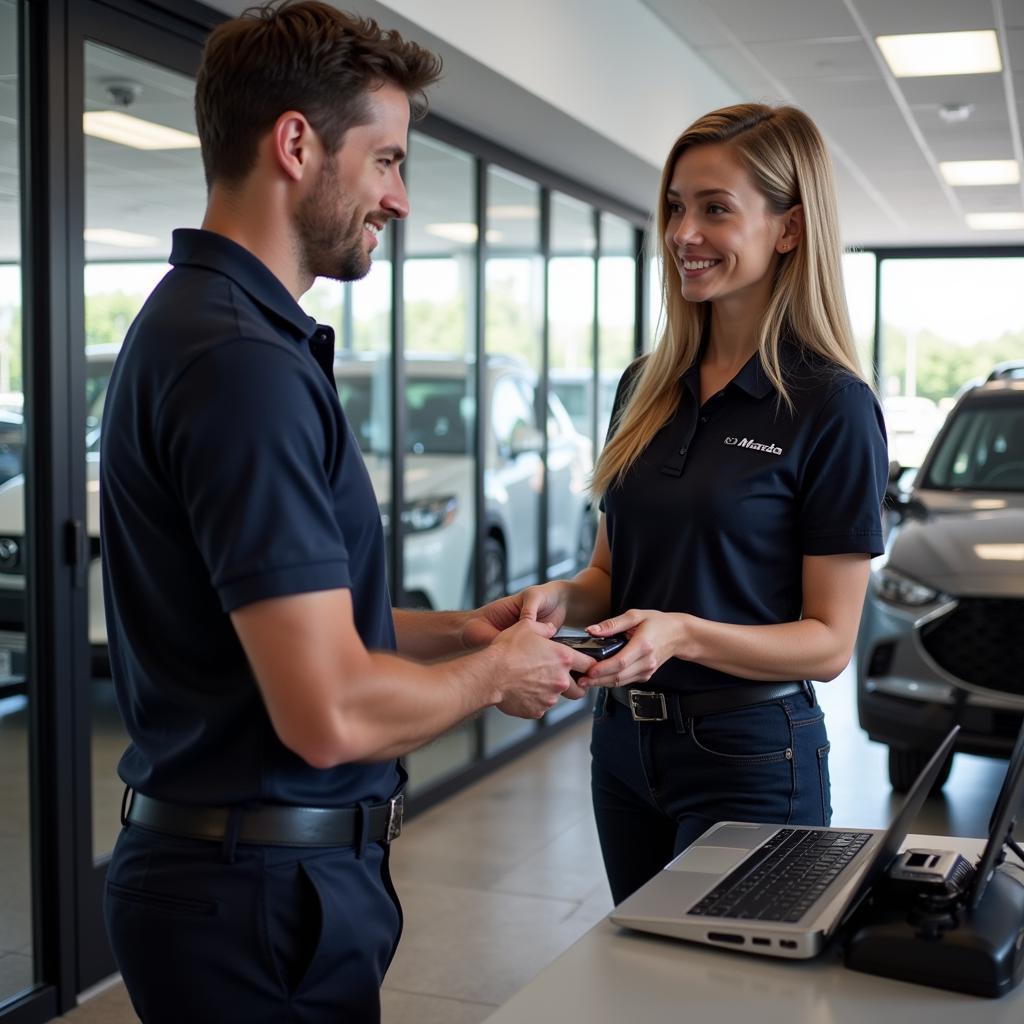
{"x":272,"y":825}
{"x":660,"y":705}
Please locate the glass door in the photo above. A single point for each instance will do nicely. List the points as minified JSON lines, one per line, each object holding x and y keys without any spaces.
{"x":140,"y":173}
{"x":17,"y":959}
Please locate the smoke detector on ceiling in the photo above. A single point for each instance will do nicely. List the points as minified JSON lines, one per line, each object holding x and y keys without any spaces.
{"x":122,"y":92}
{"x":954,"y":113}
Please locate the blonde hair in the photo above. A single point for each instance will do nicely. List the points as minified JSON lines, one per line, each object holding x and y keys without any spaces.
{"x":785,"y":156}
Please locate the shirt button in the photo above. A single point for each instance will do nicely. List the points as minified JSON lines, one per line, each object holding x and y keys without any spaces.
{"x":682,"y":451}
{"x":703,"y":419}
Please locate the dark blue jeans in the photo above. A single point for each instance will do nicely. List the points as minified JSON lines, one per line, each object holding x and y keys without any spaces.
{"x":263,"y":935}
{"x":657,"y":786}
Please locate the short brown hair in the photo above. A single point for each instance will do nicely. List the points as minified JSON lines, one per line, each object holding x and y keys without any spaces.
{"x":299,"y":55}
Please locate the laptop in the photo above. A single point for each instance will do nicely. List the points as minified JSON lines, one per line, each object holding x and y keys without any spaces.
{"x":1001,"y":824}
{"x":776,"y":890}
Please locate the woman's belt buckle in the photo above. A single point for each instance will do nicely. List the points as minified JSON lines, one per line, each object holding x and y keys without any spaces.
{"x":647,"y":706}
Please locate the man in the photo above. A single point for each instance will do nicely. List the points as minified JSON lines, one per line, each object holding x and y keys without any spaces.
{"x":248,"y":614}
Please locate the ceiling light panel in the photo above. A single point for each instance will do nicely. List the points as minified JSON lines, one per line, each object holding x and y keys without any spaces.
{"x":1006,"y":221}
{"x":126,"y":130}
{"x":941,"y":53}
{"x":980,"y":172}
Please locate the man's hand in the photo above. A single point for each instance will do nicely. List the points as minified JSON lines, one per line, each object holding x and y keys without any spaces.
{"x":484,"y":624}
{"x":536,"y":671}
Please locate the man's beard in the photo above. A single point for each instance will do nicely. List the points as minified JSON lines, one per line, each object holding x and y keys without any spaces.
{"x":330,"y":239}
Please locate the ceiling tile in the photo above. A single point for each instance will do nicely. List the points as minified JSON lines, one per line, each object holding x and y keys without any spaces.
{"x":977,"y":89}
{"x":830,"y":95}
{"x":816,"y":58}
{"x":884,"y":17}
{"x":983,"y":142}
{"x":691,"y":20}
{"x":982,"y":200}
{"x":794,"y":19}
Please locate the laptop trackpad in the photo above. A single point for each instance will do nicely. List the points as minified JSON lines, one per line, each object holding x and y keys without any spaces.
{"x":712,"y":859}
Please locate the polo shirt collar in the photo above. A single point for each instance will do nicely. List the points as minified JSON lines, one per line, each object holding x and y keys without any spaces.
{"x":752,"y":378}
{"x":198,"y":248}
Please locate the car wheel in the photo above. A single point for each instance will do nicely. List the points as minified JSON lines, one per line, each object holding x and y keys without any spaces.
{"x":495,"y":574}
{"x":906,"y":765}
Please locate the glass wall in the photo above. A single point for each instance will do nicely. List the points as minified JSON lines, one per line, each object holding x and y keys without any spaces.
{"x":438,"y":517}
{"x":572,"y":309}
{"x":945,"y":325}
{"x":859,"y":283}
{"x":513,"y":344}
{"x":143,"y":178}
{"x":17,"y":969}
{"x":616,"y":312}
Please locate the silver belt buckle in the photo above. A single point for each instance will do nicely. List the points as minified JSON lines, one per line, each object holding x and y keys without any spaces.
{"x":637,"y":716}
{"x":396,"y":810}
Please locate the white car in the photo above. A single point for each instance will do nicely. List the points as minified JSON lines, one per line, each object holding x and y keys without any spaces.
{"x":438,"y":514}
{"x":439,"y":504}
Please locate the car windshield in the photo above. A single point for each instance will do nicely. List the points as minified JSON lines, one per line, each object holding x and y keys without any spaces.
{"x":983,"y":450}
{"x":438,"y":415}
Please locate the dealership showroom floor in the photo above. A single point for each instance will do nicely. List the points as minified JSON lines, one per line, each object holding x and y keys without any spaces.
{"x":501,"y":878}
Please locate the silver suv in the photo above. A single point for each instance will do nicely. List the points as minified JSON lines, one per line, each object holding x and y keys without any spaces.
{"x":942,"y":635}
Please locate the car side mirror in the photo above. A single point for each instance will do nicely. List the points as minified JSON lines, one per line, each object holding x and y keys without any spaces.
{"x":895,"y":472}
{"x":525,"y":440}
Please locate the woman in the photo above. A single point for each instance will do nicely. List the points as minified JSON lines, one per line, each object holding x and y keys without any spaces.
{"x":741,"y":490}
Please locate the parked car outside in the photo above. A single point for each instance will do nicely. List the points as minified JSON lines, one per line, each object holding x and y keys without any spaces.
{"x":911,"y":423}
{"x":575,"y":389}
{"x":439,"y":503}
{"x":438,"y":514}
{"x":942,"y":636}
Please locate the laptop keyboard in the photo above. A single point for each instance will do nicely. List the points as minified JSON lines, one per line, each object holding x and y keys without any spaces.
{"x":782,"y":878}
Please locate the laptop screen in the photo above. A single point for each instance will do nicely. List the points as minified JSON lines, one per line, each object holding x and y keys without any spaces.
{"x":1000,"y":826}
{"x":900,"y":826}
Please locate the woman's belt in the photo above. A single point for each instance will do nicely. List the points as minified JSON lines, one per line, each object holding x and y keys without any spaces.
{"x":660,"y":705}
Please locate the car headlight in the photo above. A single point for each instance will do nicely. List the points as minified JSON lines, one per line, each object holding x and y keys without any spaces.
{"x":10,"y":556}
{"x":893,"y":586}
{"x":424,"y":514}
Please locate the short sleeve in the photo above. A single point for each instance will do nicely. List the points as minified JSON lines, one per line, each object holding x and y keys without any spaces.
{"x":844,"y":477}
{"x":247,"y":437}
{"x":622,"y":393}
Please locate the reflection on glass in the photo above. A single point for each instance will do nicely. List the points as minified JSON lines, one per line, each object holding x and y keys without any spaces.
{"x":571,"y":346}
{"x":513,"y":335}
{"x":859,"y":282}
{"x":655,"y":305}
{"x":17,"y":969}
{"x":438,"y":517}
{"x":616,"y":312}
{"x":133,"y":200}
{"x":362,"y":365}
{"x":935,"y":345}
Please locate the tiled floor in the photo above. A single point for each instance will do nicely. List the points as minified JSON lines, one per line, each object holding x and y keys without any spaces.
{"x":500,"y":879}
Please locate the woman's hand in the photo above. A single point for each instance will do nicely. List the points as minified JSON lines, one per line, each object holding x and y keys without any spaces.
{"x":548,"y":602}
{"x":654,"y":637}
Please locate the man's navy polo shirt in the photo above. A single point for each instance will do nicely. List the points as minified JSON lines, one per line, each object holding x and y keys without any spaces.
{"x":716,"y":515}
{"x":228,"y":475}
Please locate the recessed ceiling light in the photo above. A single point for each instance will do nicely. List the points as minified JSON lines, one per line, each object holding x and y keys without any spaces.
{"x":996,"y":221}
{"x":124,"y":239}
{"x":113,"y":126}
{"x":941,"y":53}
{"x":980,"y":172}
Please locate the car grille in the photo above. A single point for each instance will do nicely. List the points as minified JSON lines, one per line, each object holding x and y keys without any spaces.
{"x":982,"y":642}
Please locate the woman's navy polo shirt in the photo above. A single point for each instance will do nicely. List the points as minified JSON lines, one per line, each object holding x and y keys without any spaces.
{"x":228,"y":475}
{"x":717,"y":513}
